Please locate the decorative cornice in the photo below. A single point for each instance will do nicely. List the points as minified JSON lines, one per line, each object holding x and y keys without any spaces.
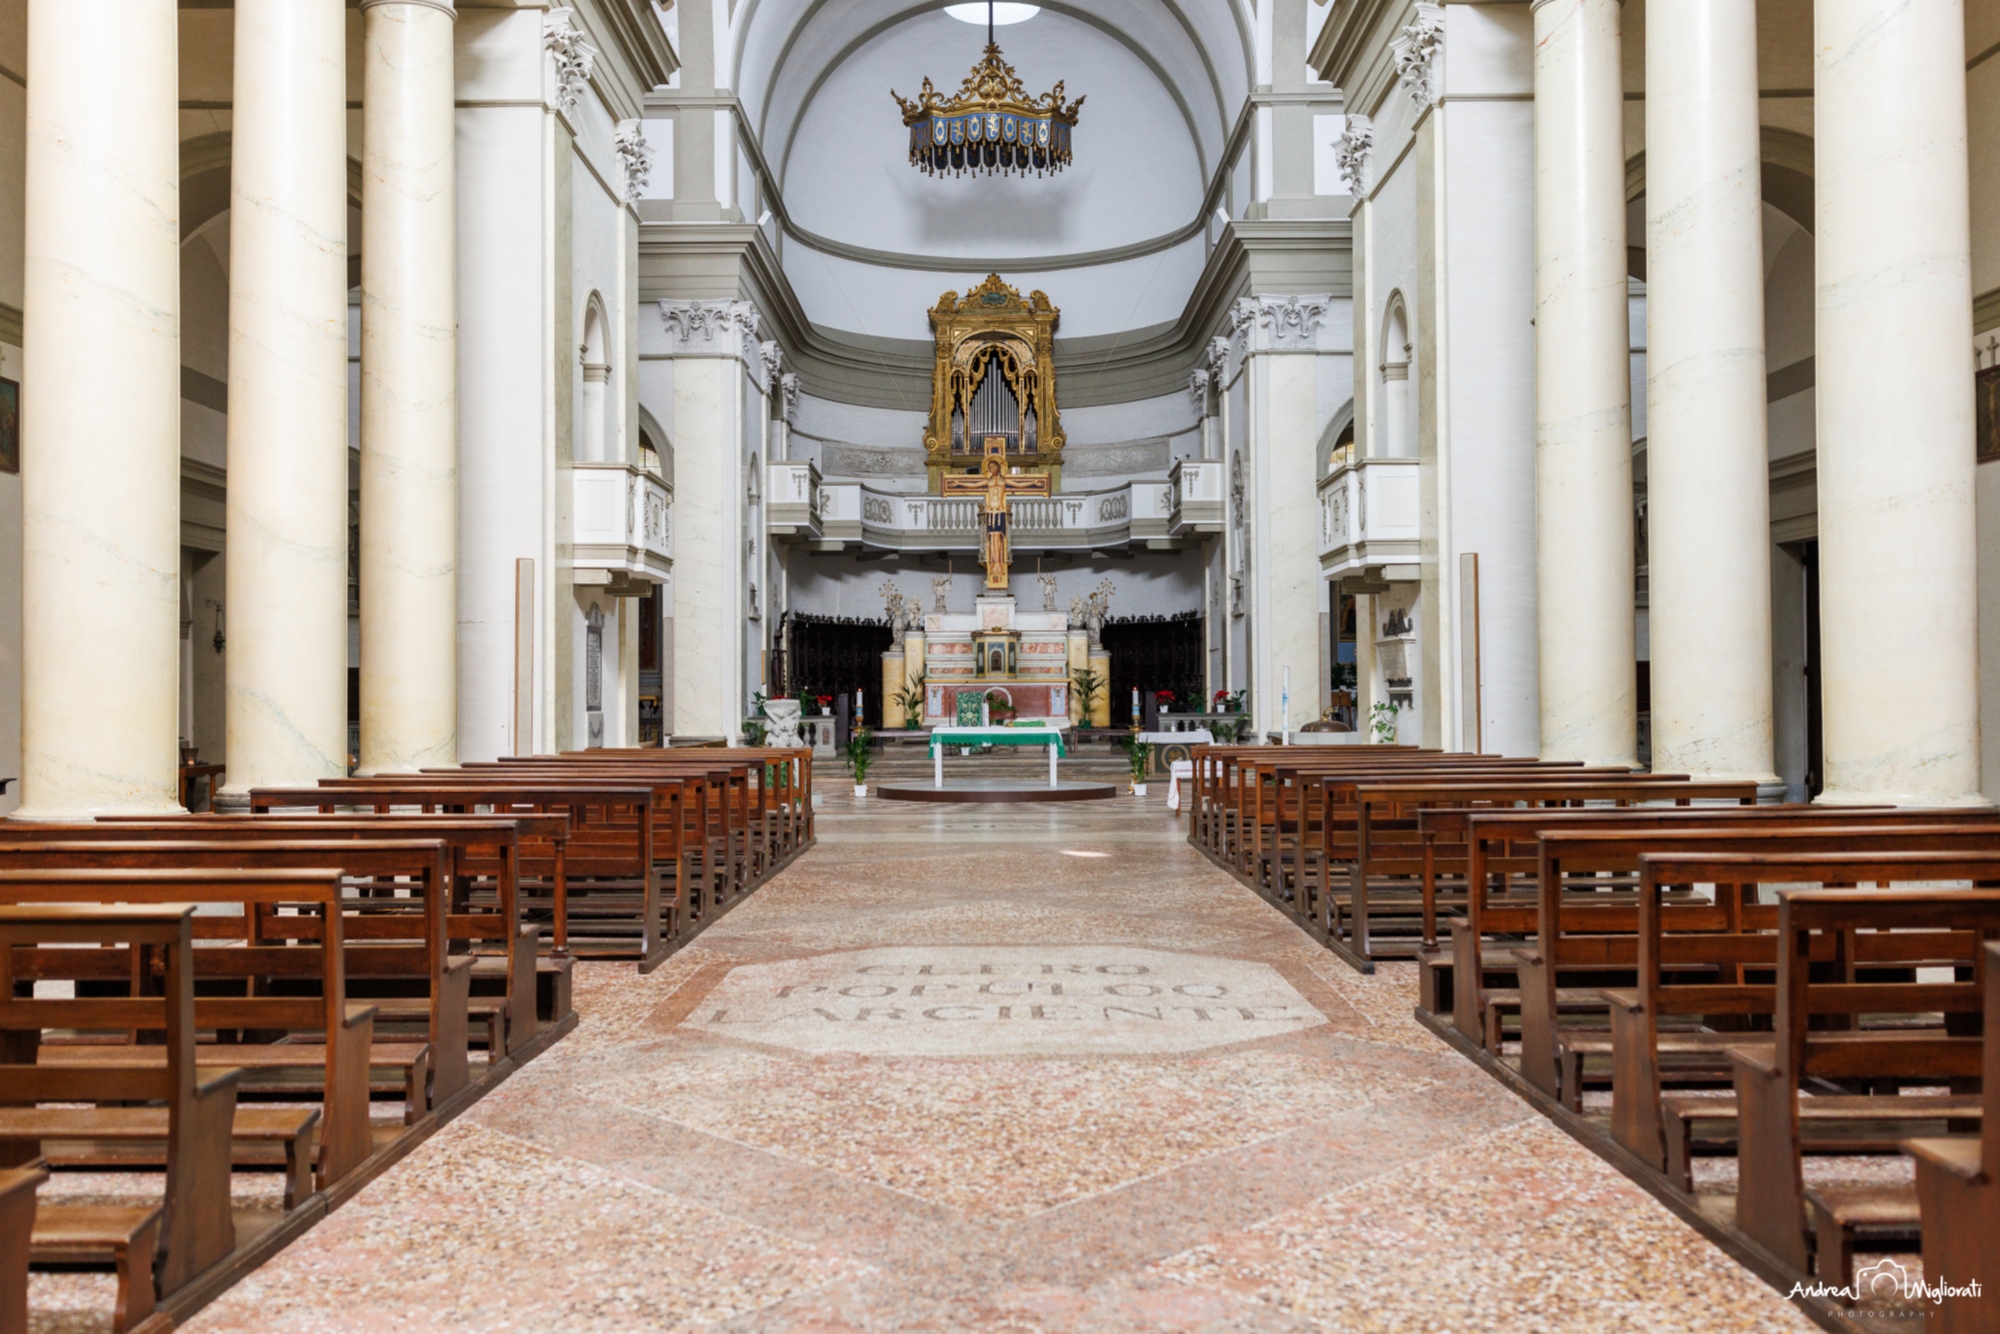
{"x":1419,"y":50}
{"x":1351,"y":151}
{"x":725,"y":261}
{"x":574,"y":56}
{"x":635,"y":156}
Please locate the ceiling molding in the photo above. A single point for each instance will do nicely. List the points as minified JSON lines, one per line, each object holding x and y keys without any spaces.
{"x":734,"y":261}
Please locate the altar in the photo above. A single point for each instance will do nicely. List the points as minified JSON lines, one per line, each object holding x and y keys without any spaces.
{"x":995,"y":435}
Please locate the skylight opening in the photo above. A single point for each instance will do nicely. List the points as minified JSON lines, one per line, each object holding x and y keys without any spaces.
{"x":1003,"y":14}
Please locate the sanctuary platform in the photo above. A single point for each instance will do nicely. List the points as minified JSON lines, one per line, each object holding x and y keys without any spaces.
{"x":975,"y":791}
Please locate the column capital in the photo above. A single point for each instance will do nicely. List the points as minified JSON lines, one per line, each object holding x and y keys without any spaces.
{"x":1419,"y":49}
{"x":445,"y":7}
{"x":713,"y":329}
{"x":1279,"y":323}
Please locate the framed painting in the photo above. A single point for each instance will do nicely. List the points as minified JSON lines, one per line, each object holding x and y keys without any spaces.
{"x":10,"y":425}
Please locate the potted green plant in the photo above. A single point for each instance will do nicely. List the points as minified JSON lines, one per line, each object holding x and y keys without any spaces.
{"x":859,"y":758}
{"x":1139,"y":755}
{"x":1382,"y":723}
{"x":1086,"y":686}
{"x":999,"y":708}
{"x":910,"y":699}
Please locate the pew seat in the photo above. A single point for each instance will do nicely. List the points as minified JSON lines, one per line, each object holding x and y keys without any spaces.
{"x":277,"y":1069}
{"x":1886,"y":1217}
{"x":110,"y":1137}
{"x":1836,"y":1124}
{"x":17,"y":1222}
{"x":125,"y":1236}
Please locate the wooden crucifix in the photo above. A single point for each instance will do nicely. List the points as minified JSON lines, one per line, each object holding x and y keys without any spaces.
{"x":996,"y":487}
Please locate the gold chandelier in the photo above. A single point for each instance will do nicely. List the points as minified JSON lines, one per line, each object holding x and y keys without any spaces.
{"x":992,"y":125}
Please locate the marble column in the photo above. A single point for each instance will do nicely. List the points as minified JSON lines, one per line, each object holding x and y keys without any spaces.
{"x":1707,"y":470}
{"x":1898,"y":576}
{"x":714,"y":347}
{"x":100,"y":401}
{"x":409,"y":399}
{"x":1583,"y":431}
{"x":286,"y":671}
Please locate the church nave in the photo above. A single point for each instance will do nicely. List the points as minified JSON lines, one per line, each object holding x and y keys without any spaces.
{"x":1338,"y":1169}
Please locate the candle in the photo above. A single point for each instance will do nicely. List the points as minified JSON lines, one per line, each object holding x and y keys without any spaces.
{"x":1136,"y":715}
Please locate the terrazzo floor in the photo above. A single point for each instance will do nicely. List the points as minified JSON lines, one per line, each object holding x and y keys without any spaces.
{"x":1023,"y":1069}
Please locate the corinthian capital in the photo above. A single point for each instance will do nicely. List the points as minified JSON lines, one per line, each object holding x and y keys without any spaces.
{"x":1419,"y":52}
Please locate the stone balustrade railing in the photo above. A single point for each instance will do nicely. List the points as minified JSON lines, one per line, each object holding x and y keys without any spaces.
{"x":853,"y":512}
{"x":1368,"y":516}
{"x":621,"y":525}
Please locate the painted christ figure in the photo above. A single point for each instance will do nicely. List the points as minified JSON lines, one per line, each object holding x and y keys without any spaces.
{"x":995,"y":488}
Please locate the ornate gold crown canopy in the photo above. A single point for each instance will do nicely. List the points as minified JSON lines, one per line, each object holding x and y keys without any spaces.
{"x":992,"y":125}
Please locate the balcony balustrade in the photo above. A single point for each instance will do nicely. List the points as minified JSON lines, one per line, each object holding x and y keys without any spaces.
{"x":1368,"y":517}
{"x":621,"y":525}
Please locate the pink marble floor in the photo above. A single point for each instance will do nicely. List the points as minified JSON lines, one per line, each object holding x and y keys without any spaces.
{"x":789,"y":1166}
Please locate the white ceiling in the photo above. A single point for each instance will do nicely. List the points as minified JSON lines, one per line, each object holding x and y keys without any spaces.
{"x":1165,"y":80}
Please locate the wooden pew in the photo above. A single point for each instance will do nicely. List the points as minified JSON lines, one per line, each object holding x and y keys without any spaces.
{"x":1958,"y":1192}
{"x":611,"y":840}
{"x":395,"y":940}
{"x":491,"y":856}
{"x":703,"y":822}
{"x":782,"y":776}
{"x":337,"y":1055}
{"x":1500,"y":847}
{"x":17,"y":1221}
{"x":1857,"y":927}
{"x":1286,"y":842}
{"x":1589,"y":933}
{"x":1700,"y":970}
{"x":192,"y":1229}
{"x":1384,"y":826}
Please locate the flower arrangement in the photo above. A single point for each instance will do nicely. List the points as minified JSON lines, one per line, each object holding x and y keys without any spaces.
{"x":999,"y":709}
{"x":825,"y":702}
{"x":1165,"y":699}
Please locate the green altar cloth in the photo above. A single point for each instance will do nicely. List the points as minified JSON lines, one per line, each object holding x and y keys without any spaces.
{"x":998,"y":736}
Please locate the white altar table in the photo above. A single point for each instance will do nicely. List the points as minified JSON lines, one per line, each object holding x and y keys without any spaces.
{"x":994,"y":736}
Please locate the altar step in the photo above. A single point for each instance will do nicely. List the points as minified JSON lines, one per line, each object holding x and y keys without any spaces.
{"x":1099,"y":764}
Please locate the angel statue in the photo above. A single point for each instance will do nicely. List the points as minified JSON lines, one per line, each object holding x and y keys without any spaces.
{"x":1096,"y":609}
{"x":940,"y":585}
{"x":897,"y":608}
{"x":1048,"y":591}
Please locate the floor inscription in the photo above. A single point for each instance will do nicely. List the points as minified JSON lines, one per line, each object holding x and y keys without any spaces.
{"x":1027,"y":1000}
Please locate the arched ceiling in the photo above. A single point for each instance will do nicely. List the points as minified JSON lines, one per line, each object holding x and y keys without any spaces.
{"x":1165,"y":79}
